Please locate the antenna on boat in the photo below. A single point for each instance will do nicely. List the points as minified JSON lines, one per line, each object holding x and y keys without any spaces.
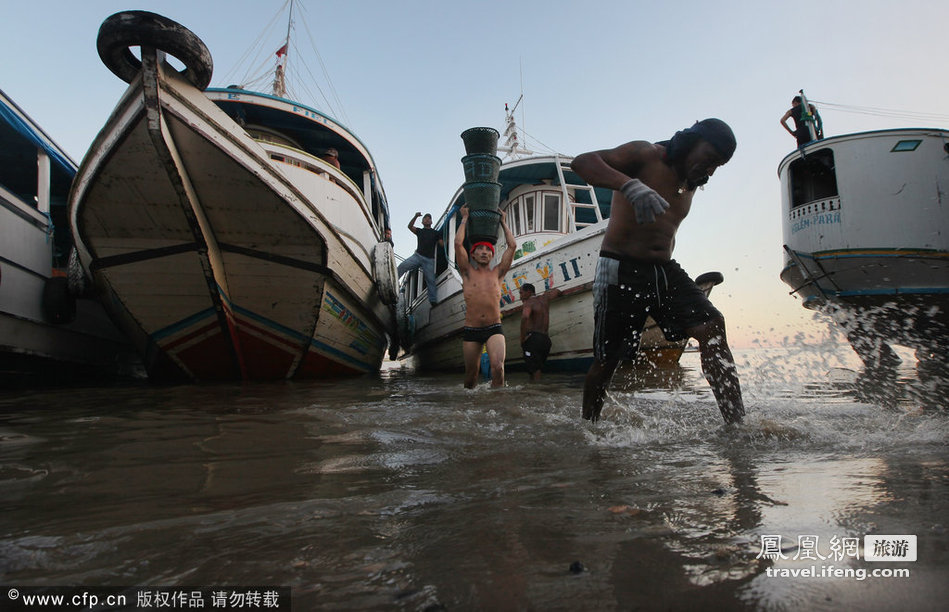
{"x":512,"y":145}
{"x":280,"y":72}
{"x":809,"y":120}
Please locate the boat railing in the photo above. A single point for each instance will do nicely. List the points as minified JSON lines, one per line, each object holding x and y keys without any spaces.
{"x":302,"y":159}
{"x":21,"y":208}
{"x":820,"y":205}
{"x":326,"y":171}
{"x":564,"y":164}
{"x":578,"y":225}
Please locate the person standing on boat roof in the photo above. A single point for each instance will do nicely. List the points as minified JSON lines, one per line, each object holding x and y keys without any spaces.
{"x":535,"y":319}
{"x":481,"y":286}
{"x":636,"y":276}
{"x":424,"y":255}
{"x":800,"y":131}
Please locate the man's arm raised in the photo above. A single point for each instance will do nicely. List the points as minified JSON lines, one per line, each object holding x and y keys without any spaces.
{"x":508,"y":258}
{"x":461,"y":255}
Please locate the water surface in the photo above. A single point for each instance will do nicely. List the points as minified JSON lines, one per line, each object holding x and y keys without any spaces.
{"x":407,"y":491}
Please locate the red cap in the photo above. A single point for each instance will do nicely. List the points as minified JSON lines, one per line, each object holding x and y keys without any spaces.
{"x":487,"y":244}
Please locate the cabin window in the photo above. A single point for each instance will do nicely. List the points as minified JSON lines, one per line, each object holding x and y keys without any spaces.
{"x":529,"y":212}
{"x":551,"y":212}
{"x":515,"y":209}
{"x":422,"y":285}
{"x":905,"y":145}
{"x":813,"y":178}
{"x":413,"y":285}
{"x":441,"y":263}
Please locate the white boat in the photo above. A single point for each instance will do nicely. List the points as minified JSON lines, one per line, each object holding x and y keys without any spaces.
{"x":47,"y":331}
{"x":221,"y":241}
{"x":866,"y":238}
{"x":558,"y":221}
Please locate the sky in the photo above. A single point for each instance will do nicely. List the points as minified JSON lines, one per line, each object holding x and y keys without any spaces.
{"x":408,"y":76}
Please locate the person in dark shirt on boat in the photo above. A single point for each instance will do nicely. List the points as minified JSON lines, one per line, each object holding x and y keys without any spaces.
{"x":535,"y":319}
{"x":800,"y":131}
{"x":481,"y":286}
{"x":636,"y":276}
{"x":424,"y":255}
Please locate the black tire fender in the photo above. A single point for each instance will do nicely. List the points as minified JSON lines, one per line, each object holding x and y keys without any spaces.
{"x":142,"y":28}
{"x":384,"y":272}
{"x":710,"y":278}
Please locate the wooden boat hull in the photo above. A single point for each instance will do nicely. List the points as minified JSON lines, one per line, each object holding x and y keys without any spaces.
{"x":220,"y":263}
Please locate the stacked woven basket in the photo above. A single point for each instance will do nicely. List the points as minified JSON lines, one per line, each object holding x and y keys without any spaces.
{"x":482,"y":189}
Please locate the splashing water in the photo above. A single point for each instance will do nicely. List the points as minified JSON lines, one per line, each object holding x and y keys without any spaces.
{"x":408,"y":491}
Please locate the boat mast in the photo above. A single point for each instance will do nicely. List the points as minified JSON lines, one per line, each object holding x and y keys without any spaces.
{"x":511,"y":144}
{"x":280,"y":80}
{"x":807,"y":116}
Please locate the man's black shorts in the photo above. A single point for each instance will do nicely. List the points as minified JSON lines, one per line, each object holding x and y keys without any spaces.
{"x":626,"y":292}
{"x":536,"y":348}
{"x":481,"y":334}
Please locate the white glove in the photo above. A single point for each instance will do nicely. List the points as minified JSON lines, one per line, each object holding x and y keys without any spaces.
{"x":645,"y":201}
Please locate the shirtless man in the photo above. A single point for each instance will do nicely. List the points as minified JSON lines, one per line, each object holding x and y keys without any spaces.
{"x":636,"y":276}
{"x":481,"y":285}
{"x":535,"y":319}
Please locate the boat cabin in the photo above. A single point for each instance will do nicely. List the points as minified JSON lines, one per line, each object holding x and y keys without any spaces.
{"x":840,"y":192}
{"x":35,"y":177}
{"x":298,"y":136}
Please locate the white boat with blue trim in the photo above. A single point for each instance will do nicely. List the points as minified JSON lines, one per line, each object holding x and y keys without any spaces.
{"x":49,"y":329}
{"x":558,"y":221}
{"x":866,"y":238}
{"x":221,"y":234}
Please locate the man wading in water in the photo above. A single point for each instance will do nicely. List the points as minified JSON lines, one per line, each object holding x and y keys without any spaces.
{"x":482,"y":289}
{"x":636,"y":276}
{"x":535,"y":321}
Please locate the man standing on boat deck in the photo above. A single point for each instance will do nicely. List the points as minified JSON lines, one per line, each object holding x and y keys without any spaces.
{"x":424,"y":255}
{"x":535,"y":319}
{"x":481,"y":286}
{"x":636,"y":276}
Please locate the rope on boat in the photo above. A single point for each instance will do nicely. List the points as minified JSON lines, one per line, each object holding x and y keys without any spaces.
{"x":881,"y":112}
{"x":256,"y":77}
{"x":339,"y":110}
{"x":299,"y":77}
{"x":551,"y":149}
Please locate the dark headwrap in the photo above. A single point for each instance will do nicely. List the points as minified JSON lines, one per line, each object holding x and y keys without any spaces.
{"x":715,"y":131}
